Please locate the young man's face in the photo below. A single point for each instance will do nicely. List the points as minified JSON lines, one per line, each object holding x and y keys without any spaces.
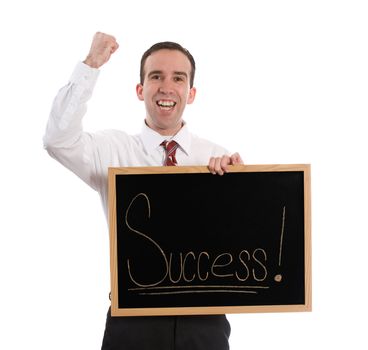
{"x":166,"y":90}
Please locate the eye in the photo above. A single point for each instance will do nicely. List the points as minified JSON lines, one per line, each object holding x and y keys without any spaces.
{"x":155,"y":77}
{"x":179,"y":79}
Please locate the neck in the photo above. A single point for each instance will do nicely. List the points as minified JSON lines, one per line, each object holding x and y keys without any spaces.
{"x":165,"y":131}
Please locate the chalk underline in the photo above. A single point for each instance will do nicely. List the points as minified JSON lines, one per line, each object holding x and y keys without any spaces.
{"x":200,"y":291}
{"x":205,"y":289}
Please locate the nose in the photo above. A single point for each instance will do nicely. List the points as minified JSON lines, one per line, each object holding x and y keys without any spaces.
{"x":166,"y":87}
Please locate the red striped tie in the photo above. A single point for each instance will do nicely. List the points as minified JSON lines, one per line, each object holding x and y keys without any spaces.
{"x":170,"y":150}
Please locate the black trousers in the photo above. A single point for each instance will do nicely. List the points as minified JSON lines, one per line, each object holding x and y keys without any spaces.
{"x":166,"y":333}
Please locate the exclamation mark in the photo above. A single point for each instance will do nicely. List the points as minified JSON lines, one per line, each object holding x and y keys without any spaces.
{"x":278,"y":277}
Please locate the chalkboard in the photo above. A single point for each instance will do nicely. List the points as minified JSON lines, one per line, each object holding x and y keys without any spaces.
{"x":184,"y":241}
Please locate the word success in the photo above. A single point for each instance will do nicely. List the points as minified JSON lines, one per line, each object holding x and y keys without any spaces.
{"x":190,"y":267}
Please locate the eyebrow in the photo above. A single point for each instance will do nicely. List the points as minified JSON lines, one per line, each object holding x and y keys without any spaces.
{"x":181,"y":73}
{"x":161,"y":72}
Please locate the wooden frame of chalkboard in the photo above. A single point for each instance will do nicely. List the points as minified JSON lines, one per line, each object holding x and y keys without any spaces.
{"x":184,"y":241}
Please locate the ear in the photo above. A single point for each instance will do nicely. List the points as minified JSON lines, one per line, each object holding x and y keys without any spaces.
{"x":191,"y":96}
{"x":139,"y":91}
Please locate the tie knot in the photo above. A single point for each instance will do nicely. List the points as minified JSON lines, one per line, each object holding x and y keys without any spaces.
{"x":169,"y":145}
{"x":170,"y":150}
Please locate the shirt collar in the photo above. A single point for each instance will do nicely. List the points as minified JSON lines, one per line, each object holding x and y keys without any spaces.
{"x":152,"y":140}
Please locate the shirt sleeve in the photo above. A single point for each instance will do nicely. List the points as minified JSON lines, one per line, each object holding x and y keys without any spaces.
{"x":64,"y":138}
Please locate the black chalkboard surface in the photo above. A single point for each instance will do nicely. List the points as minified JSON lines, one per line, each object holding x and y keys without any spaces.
{"x":184,"y":241}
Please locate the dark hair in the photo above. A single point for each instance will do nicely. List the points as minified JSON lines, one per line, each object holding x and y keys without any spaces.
{"x":168,"y":45}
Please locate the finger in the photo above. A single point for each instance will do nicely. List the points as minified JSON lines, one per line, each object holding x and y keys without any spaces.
{"x":218,"y":167}
{"x":236,"y":159}
{"x":114,"y":47}
{"x":225,"y":161}
{"x":211,"y":165}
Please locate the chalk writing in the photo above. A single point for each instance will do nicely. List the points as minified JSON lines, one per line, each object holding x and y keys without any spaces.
{"x":183,"y":272}
{"x":278,"y":277}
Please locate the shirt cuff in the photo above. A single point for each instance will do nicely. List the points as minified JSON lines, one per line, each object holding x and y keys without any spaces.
{"x":84,"y":75}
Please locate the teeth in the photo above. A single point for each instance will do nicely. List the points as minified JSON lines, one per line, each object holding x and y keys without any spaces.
{"x":166,"y":103}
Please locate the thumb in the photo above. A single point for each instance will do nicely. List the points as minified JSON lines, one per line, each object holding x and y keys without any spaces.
{"x":236,"y":159}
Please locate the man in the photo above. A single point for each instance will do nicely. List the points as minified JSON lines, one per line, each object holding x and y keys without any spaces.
{"x":166,"y":87}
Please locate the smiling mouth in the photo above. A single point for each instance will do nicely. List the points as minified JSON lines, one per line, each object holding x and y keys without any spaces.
{"x":166,"y":105}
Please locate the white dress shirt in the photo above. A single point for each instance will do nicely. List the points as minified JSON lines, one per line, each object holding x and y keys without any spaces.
{"x":90,"y":155}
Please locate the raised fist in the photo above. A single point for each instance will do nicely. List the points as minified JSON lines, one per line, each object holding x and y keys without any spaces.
{"x":103,"y":46}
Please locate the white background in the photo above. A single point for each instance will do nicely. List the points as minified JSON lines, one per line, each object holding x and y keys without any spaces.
{"x":278,"y":81}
